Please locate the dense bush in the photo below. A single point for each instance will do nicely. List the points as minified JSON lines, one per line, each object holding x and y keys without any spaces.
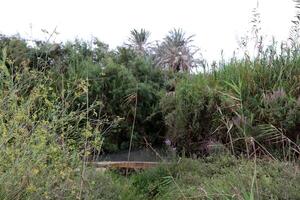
{"x":192,"y":118}
{"x":42,"y":140}
{"x":113,"y":78}
{"x":244,"y":105}
{"x":64,"y":104}
{"x":120,"y":90}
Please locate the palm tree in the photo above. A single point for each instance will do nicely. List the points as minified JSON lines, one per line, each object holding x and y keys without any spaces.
{"x":138,"y":40}
{"x":176,"y":51}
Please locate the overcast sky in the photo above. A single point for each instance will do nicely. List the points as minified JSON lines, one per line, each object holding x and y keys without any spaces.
{"x":217,"y":24}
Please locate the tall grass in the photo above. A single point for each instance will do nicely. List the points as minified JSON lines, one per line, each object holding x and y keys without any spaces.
{"x":60,"y":108}
{"x":243,"y":104}
{"x":218,"y":177}
{"x":40,"y":157}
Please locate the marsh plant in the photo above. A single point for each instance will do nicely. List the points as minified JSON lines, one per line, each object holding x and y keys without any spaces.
{"x":63,"y":105}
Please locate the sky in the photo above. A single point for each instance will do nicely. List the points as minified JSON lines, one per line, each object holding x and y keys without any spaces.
{"x":216,"y":24}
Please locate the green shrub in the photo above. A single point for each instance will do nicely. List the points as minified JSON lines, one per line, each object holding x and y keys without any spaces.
{"x":101,"y":186}
{"x":194,"y":114}
{"x":151,"y":183}
{"x":39,"y":158}
{"x":117,"y":87}
{"x":244,"y":105}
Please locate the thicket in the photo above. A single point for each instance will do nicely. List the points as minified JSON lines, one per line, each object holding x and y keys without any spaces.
{"x":64,"y":104}
{"x":118,"y":83}
{"x":42,"y":138}
{"x":249,"y":106}
{"x":244,"y":106}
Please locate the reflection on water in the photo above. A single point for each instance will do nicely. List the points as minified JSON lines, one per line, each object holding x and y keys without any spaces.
{"x":146,"y":155}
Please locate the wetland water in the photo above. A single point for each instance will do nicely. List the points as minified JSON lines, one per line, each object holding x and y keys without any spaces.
{"x":145,"y":155}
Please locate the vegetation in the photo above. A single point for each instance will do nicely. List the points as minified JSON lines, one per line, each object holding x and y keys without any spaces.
{"x":176,"y":52}
{"x":248,"y":106}
{"x":218,"y":178}
{"x":139,"y":41}
{"x":62,"y":105}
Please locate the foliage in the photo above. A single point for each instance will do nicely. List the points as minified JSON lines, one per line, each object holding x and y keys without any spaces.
{"x":219,"y":178}
{"x":104,"y":186}
{"x":138,"y":40}
{"x":191,"y":120}
{"x":176,"y":52}
{"x":242,"y":105}
{"x":62,"y":105}
{"x":42,"y":140}
{"x":119,"y":87}
{"x":241,"y":102}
